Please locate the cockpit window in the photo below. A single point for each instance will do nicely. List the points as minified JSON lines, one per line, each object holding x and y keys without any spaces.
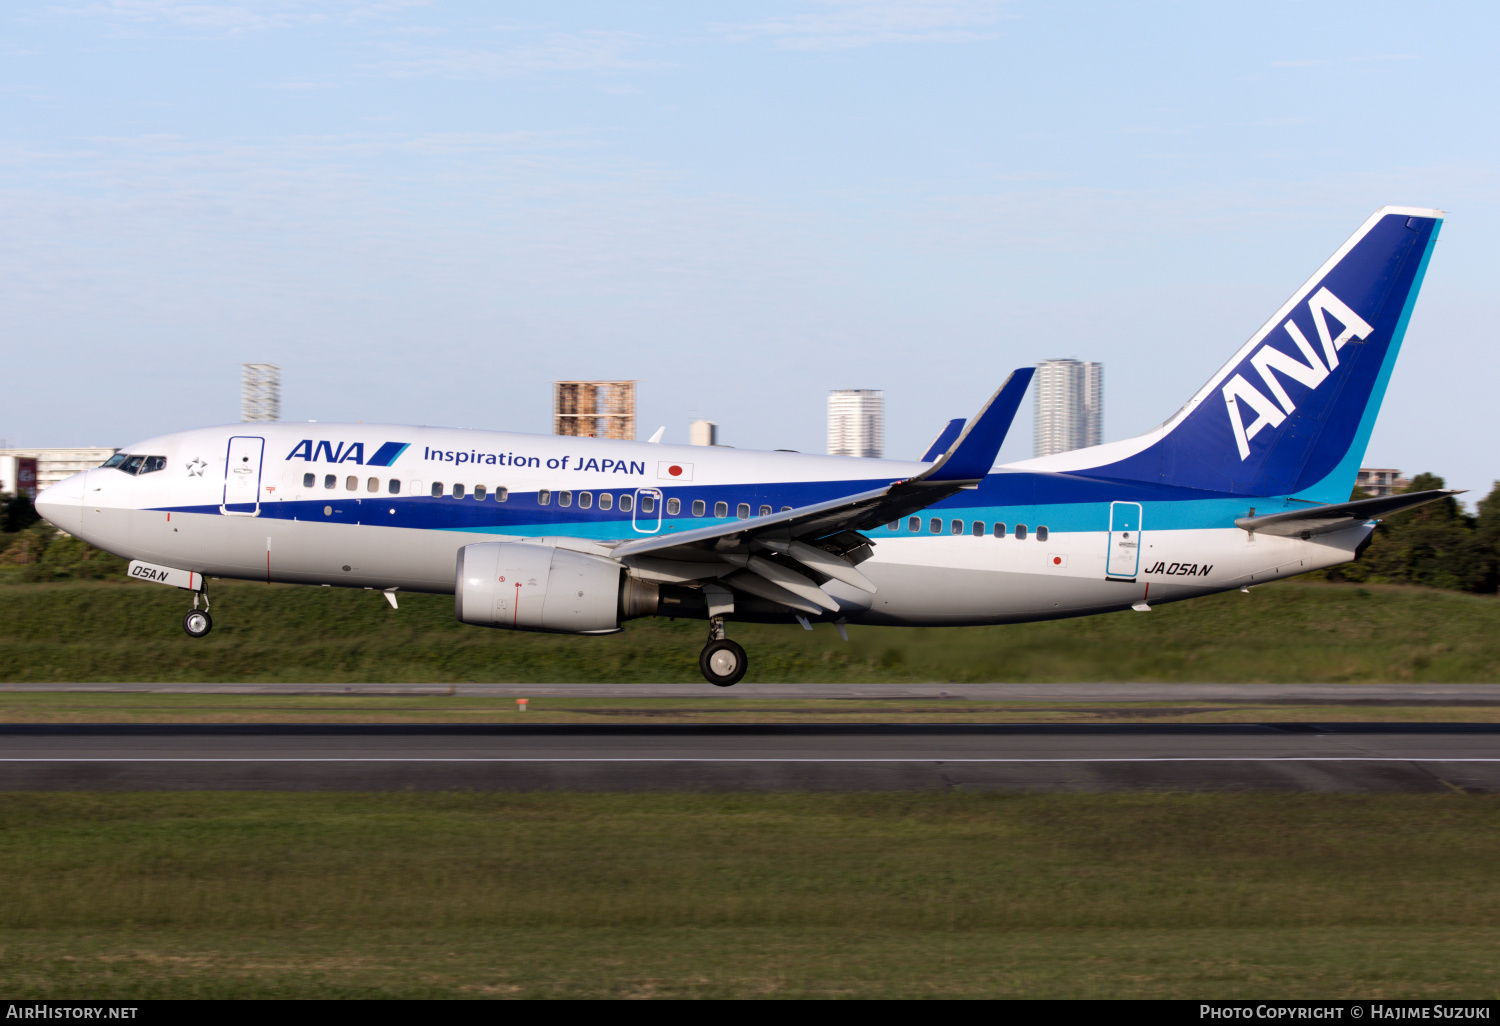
{"x":129,"y":464}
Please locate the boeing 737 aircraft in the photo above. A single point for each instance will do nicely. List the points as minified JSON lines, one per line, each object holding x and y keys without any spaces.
{"x":1249,"y":482}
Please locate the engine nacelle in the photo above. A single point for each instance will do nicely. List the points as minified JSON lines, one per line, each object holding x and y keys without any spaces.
{"x":537,"y":587}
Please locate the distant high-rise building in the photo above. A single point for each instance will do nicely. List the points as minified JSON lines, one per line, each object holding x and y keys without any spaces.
{"x":1381,"y":481}
{"x":856,"y":422}
{"x":260,"y":391}
{"x":594,"y":409}
{"x":703,"y":432}
{"x":1069,"y":405}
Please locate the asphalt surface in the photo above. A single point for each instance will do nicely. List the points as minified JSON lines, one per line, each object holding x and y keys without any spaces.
{"x":1341,"y":694}
{"x":1307,"y":757}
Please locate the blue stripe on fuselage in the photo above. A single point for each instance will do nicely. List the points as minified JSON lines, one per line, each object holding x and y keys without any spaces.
{"x":1060,"y":502}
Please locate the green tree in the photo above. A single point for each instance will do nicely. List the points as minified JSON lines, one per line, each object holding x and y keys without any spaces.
{"x":16,"y":513}
{"x":1435,"y":545}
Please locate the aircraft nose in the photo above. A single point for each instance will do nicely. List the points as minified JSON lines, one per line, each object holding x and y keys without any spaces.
{"x":61,"y":504}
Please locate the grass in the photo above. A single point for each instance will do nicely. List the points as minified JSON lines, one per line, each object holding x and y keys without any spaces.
{"x":83,"y":707}
{"x":900,"y":895}
{"x":1289,"y":632}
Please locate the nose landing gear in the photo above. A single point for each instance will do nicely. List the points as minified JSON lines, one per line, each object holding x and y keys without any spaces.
{"x":197,"y":622}
{"x":722,"y":661}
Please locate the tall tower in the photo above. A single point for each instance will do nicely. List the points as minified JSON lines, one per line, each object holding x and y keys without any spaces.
{"x":260,"y":391}
{"x":856,"y":422}
{"x":1069,"y":405}
{"x":594,"y":409}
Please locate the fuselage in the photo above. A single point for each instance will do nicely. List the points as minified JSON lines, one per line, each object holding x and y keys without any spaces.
{"x":378,"y":506}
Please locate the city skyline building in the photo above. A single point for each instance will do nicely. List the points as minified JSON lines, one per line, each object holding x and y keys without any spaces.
{"x":260,"y":391}
{"x":54,"y":464}
{"x":856,"y":422}
{"x":594,"y":409}
{"x":703,"y":432}
{"x":1381,"y":481}
{"x":1069,"y":406}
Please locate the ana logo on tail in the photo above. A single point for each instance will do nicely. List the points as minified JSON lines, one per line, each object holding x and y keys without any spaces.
{"x":1313,"y":373}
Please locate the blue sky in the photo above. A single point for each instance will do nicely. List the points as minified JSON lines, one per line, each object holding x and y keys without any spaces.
{"x":426,"y":211}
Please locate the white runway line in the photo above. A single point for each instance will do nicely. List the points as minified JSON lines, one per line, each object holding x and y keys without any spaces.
{"x":1184,"y":758}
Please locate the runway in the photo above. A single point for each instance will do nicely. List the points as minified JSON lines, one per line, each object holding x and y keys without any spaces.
{"x":1285,"y":757}
{"x":1327,"y":694}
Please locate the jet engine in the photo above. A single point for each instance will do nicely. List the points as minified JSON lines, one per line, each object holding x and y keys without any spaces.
{"x":525,"y":586}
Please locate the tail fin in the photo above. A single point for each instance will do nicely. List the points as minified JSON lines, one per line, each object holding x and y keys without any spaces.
{"x":1291,"y":413}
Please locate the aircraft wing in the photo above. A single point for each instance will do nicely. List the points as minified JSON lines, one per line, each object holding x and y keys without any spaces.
{"x":786,"y":556}
{"x":1336,"y":517}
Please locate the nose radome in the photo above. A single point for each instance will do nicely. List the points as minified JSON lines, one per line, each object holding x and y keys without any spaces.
{"x":61,"y":504}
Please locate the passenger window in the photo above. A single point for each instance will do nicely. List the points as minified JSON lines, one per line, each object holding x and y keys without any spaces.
{"x":565,"y":498}
{"x":674,"y":507}
{"x":914,"y":524}
{"x":153,"y":464}
{"x":480,"y":491}
{"x":394,"y":487}
{"x":765,"y":511}
{"x":957,"y":527}
{"x":544,"y":497}
{"x":721,"y":509}
{"x":501,"y":494}
{"x":1041,"y":534}
{"x":648,"y":504}
{"x":372,"y":485}
{"x":585,"y":500}
{"x":351,"y":483}
{"x":330,"y":481}
{"x":437,"y":489}
{"x":978,"y":529}
{"x":999,"y":530}
{"x":786,"y":509}
{"x":606,"y":500}
{"x":626,"y":502}
{"x":309,"y":480}
{"x":936,"y":526}
{"x":458,"y":491}
{"x":1020,"y":532}
{"x":700,"y":508}
{"x":742,"y":511}
{"x":894,"y":525}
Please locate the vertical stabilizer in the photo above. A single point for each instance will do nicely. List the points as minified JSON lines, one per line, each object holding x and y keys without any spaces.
{"x":1292,"y":411}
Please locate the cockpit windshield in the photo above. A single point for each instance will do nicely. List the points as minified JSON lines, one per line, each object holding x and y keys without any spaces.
{"x":124,"y":461}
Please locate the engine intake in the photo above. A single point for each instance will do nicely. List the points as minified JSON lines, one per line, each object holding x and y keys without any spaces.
{"x":523,"y":586}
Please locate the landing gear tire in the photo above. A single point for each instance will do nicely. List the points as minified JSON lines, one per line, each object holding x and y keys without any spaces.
{"x":197,"y":623}
{"x":723,"y":663}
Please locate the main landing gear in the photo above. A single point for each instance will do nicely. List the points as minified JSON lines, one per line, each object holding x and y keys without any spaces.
{"x":722,"y":661}
{"x":197,"y":622}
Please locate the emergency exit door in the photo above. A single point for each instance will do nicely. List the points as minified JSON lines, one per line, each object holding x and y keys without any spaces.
{"x":242,"y":476}
{"x":1124,"y":540}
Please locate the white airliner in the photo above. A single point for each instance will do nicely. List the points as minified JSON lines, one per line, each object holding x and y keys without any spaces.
{"x":1247,"y":483}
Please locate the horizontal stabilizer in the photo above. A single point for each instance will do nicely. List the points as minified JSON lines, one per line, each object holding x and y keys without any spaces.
{"x":1324,"y":519}
{"x":973,"y":455}
{"x":945,"y":438}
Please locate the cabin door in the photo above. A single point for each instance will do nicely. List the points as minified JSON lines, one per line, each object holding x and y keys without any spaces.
{"x":242,"y":476}
{"x":1124,"y":540}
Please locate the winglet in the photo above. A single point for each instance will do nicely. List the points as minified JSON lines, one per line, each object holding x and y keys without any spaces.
{"x":972,"y":456}
{"x":943,"y":440}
